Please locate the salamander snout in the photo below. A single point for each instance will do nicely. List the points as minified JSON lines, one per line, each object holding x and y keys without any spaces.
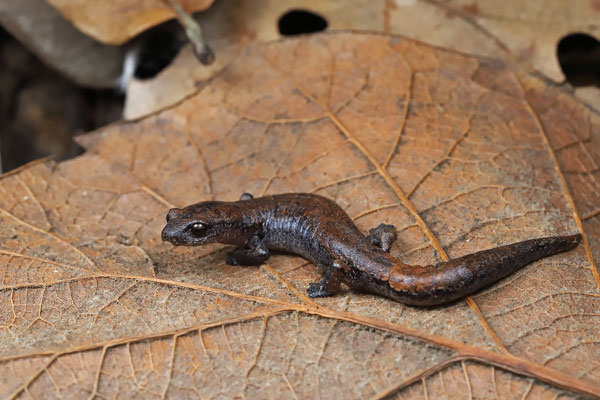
{"x":169,"y":234}
{"x":174,"y":231}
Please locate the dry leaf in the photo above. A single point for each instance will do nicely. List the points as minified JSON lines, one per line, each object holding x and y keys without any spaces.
{"x":116,"y":21}
{"x":529,"y":30}
{"x":526,"y":32}
{"x":229,"y":26}
{"x":460,"y":153}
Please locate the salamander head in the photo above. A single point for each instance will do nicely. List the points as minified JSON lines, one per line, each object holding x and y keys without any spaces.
{"x":203,"y":223}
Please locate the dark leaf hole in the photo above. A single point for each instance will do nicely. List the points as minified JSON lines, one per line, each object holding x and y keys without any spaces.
{"x":579,"y":58}
{"x":156,"y":52}
{"x":297,"y":22}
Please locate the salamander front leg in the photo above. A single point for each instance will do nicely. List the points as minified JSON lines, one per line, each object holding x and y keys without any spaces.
{"x":383,"y":236}
{"x":329,"y":285}
{"x":253,"y":252}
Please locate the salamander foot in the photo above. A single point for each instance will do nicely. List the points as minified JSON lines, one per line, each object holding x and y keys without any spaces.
{"x":254,"y":252}
{"x":383,"y":236}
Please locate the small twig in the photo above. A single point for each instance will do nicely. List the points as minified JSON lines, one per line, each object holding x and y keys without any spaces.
{"x":193,"y":31}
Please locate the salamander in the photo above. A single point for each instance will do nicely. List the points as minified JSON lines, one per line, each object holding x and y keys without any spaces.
{"x":320,"y":231}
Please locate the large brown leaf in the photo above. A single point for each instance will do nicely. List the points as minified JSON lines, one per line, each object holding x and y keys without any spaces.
{"x":460,"y":153}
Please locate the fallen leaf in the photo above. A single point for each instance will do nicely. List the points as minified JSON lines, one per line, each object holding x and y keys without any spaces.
{"x":229,"y":26}
{"x":524,"y":32}
{"x":528,"y":31}
{"x":460,"y":153}
{"x":115,"y":22}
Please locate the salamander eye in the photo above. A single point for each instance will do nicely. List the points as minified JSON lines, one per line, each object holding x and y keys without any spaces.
{"x":197,"y":229}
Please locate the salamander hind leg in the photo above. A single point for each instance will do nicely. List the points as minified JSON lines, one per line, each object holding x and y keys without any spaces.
{"x":383,"y":236}
{"x":329,"y":285}
{"x":253,"y":252}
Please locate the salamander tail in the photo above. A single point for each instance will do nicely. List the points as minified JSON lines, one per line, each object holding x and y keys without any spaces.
{"x":485,"y":267}
{"x":459,"y":277}
{"x":528,"y":251}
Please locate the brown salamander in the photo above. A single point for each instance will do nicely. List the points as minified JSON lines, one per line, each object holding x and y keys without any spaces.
{"x":319,"y":230}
